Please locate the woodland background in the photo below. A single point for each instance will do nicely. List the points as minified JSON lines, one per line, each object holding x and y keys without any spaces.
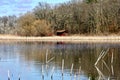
{"x":87,"y":17}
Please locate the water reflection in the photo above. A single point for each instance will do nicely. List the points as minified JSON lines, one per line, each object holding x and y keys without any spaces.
{"x":28,"y":60}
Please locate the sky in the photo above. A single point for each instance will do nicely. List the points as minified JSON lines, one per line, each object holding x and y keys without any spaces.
{"x":17,"y":7}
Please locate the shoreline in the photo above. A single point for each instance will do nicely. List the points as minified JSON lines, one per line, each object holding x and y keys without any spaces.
{"x":95,"y":39}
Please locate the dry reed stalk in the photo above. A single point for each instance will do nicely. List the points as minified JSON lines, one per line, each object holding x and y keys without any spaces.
{"x":19,"y":77}
{"x":8,"y":75}
{"x":50,"y":59}
{"x":112,"y":69}
{"x":106,"y":65}
{"x":46,"y":55}
{"x":42,"y":72}
{"x":100,"y":74}
{"x":52,"y":72}
{"x":71,"y":69}
{"x":101,"y":56}
{"x":62,"y":67}
{"x":112,"y":58}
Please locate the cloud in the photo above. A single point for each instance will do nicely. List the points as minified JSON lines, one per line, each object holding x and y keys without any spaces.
{"x":15,"y":6}
{"x":25,"y":1}
{"x":3,"y":11}
{"x":23,"y":6}
{"x":10,"y":7}
{"x":12,"y":1}
{"x":3,"y":2}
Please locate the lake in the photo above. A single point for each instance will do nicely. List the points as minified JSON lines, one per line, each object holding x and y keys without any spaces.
{"x":59,"y":61}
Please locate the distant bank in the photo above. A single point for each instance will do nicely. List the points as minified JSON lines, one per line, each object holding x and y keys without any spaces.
{"x":96,"y":39}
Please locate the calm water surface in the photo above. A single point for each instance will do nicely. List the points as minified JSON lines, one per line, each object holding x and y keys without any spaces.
{"x":27,"y":60}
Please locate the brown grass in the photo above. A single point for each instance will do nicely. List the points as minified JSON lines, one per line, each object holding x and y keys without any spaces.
{"x":110,"y":39}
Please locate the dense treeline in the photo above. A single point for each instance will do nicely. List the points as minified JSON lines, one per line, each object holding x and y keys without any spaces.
{"x":88,"y":17}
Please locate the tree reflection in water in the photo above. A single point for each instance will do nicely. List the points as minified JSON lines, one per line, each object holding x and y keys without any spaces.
{"x":30,"y":56}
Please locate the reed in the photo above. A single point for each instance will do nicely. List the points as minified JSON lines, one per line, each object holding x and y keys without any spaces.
{"x":42,"y":72}
{"x":52,"y":72}
{"x":89,"y":78}
{"x":19,"y":77}
{"x":62,"y":67}
{"x":106,"y":65}
{"x":101,"y":56}
{"x":105,"y":53}
{"x":46,"y":55}
{"x":112,"y":58}
{"x":112,"y":69}
{"x":75,"y":77}
{"x":101,"y":75}
{"x":108,"y":78}
{"x":79,"y":72}
{"x":8,"y":75}
{"x":71,"y":69}
{"x":50,"y":59}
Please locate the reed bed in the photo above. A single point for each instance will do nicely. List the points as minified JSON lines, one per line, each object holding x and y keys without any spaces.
{"x":71,"y":74}
{"x":110,"y":68}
